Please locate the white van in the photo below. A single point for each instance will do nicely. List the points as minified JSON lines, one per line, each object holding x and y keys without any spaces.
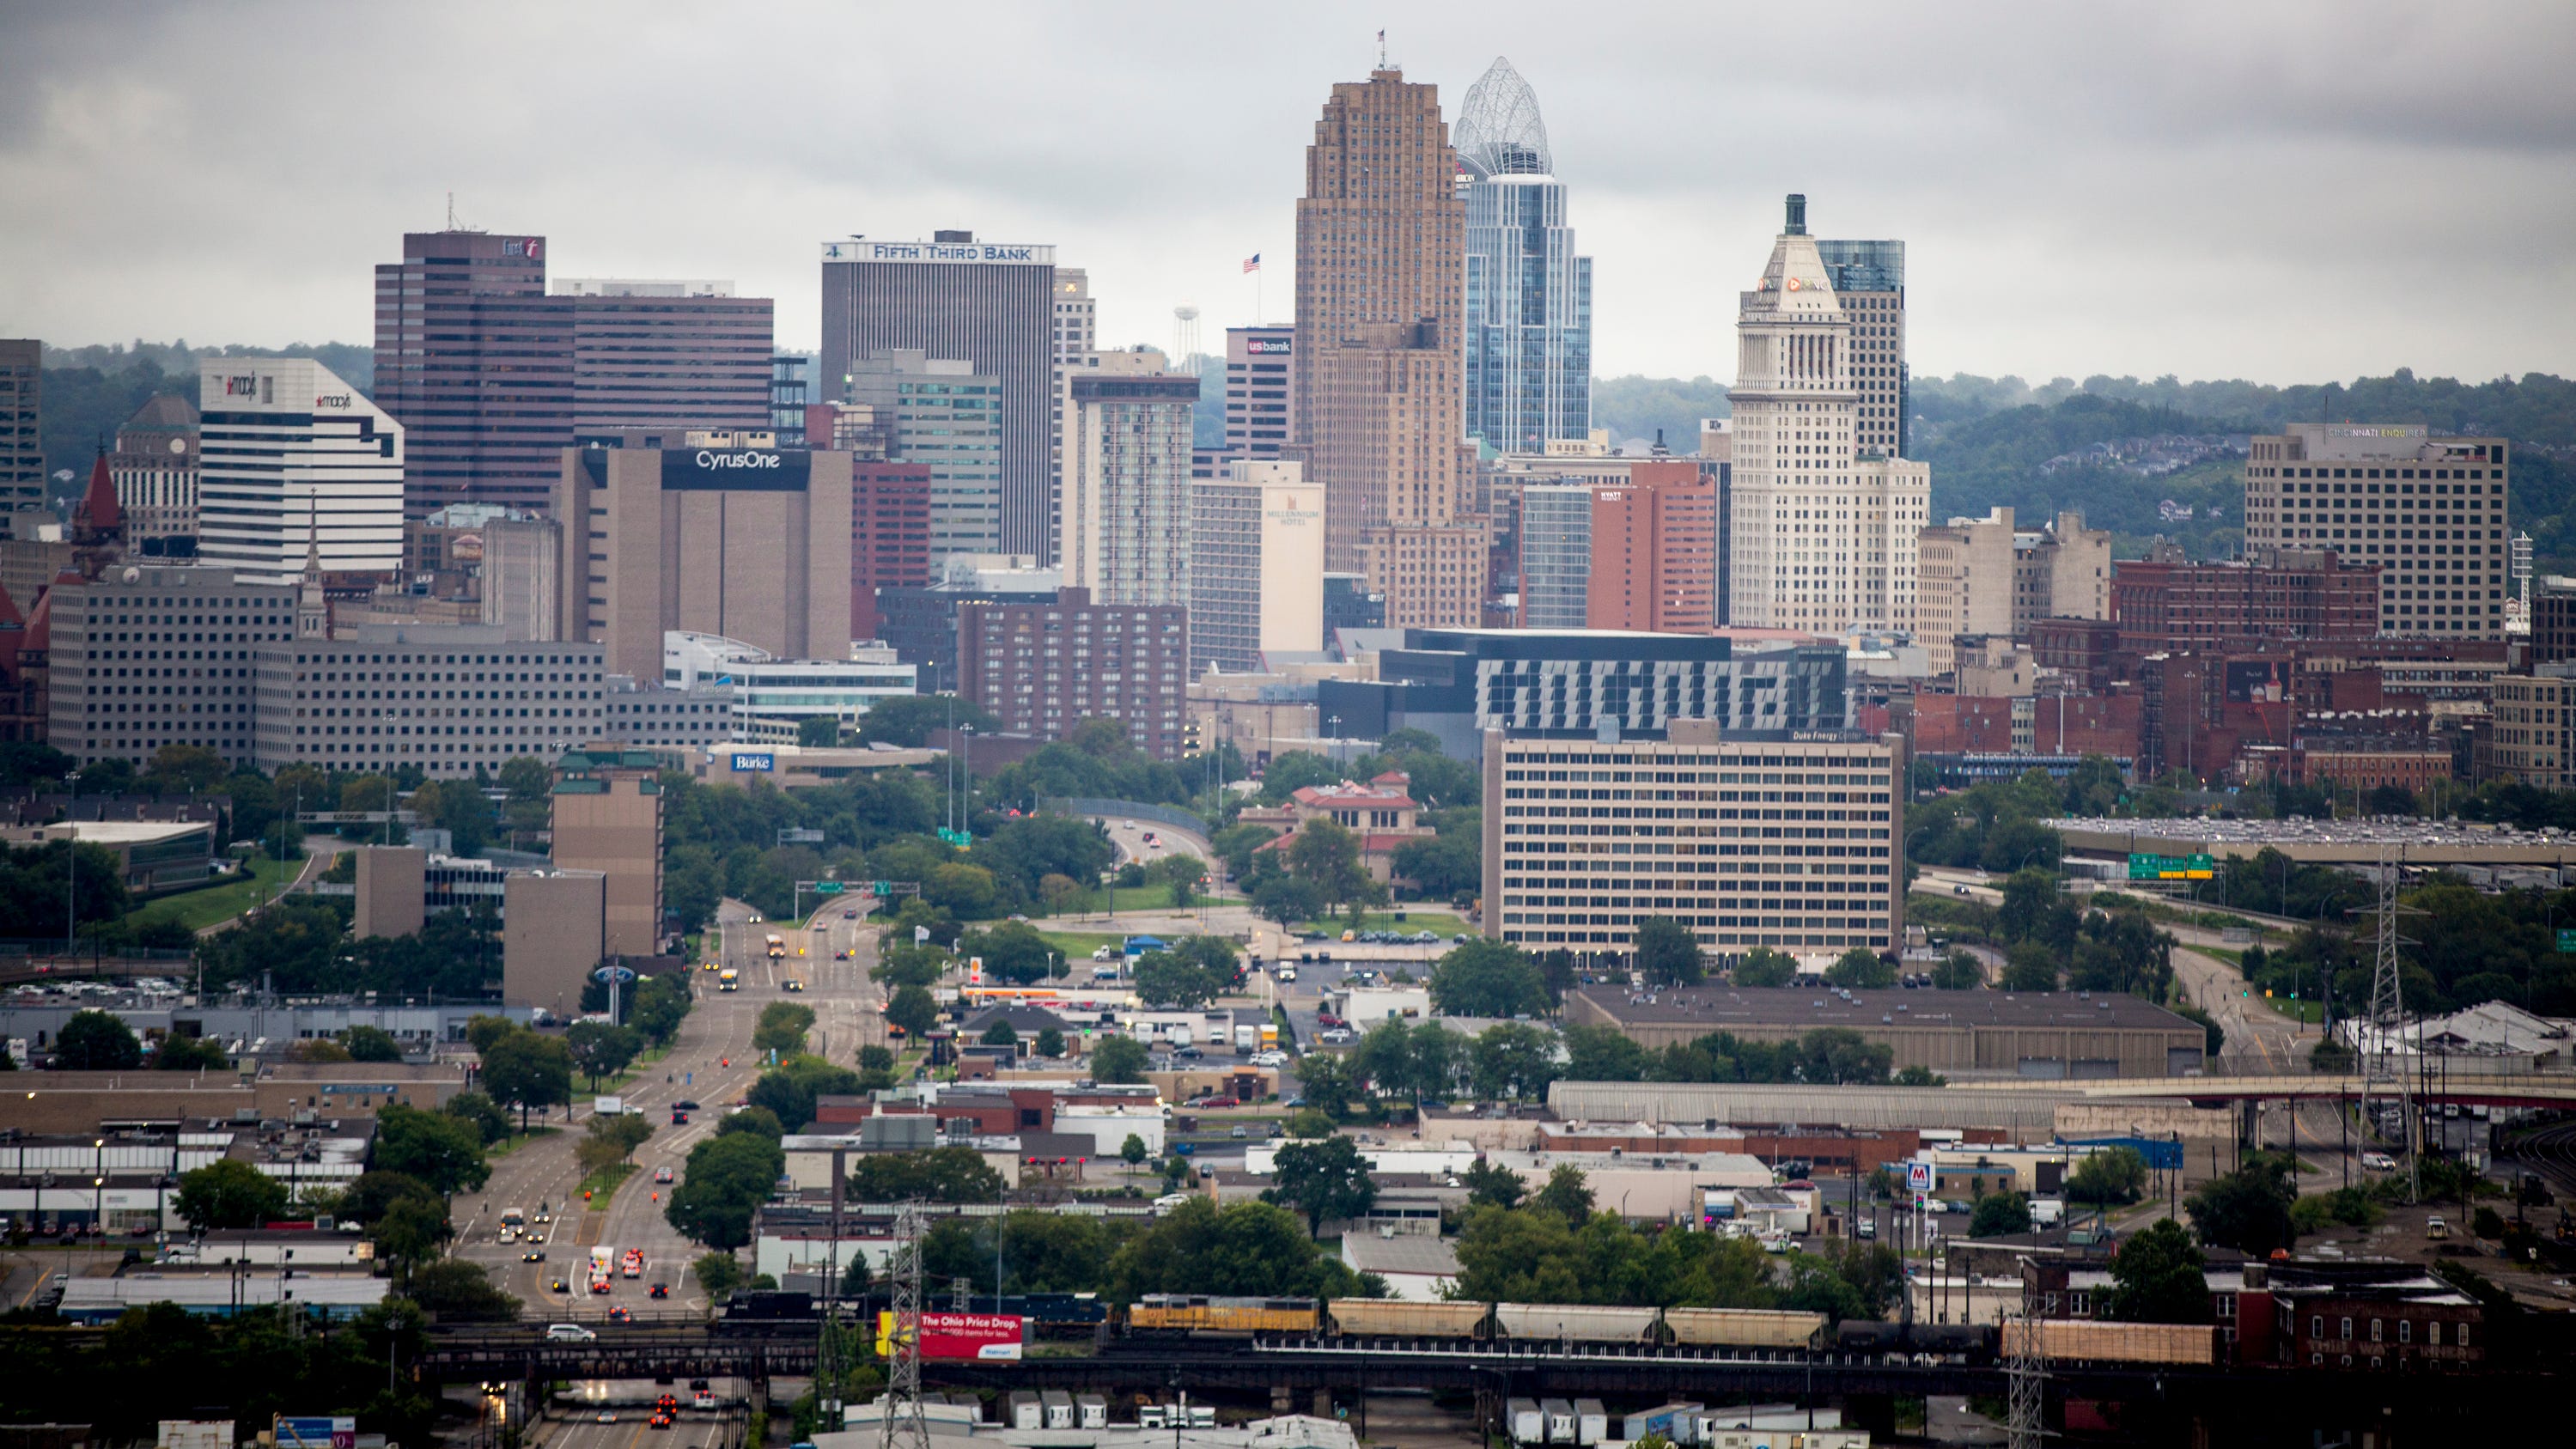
{"x":2379,"y":1162}
{"x":569,"y":1333}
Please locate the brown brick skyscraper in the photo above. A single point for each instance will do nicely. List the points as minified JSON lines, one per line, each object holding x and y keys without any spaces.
{"x":1380,"y":271}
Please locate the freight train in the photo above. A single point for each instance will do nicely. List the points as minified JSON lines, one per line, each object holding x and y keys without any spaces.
{"x":1380,"y":1324}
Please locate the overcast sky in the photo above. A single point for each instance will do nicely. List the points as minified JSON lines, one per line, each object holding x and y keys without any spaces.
{"x":2280,"y":191}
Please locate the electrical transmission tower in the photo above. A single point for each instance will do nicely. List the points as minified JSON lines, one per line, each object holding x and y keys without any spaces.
{"x":2383,"y":1075}
{"x":2026,"y":1369}
{"x":905,"y":1427}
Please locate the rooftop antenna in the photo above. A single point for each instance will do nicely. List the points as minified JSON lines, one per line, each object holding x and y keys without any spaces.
{"x":1381,"y":50}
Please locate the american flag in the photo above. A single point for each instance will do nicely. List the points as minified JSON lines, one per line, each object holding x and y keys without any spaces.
{"x":1252,"y":263}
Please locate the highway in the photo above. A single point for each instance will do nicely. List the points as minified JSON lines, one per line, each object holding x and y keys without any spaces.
{"x":711,"y":1063}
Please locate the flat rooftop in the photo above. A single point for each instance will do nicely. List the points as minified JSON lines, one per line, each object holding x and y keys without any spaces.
{"x":1724,"y":1008}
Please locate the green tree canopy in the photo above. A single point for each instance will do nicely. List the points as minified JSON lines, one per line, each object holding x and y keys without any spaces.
{"x":2108,"y":1177}
{"x":1488,"y":978}
{"x":371,"y":1044}
{"x":229,"y":1193}
{"x":1118,"y":1060}
{"x":443,"y":1151}
{"x":727,"y":1178}
{"x":2156,"y":1277}
{"x":1667,"y":953}
{"x":1243,"y":1248}
{"x":2000,"y":1214}
{"x":2248,"y":1209}
{"x":940,"y":1174}
{"x":1323,"y":1179}
{"x":95,"y":1041}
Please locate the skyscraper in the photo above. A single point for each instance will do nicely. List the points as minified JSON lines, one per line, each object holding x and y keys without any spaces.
{"x":1869,"y":277}
{"x":1256,"y":565}
{"x":1654,"y":550}
{"x":294,"y":460}
{"x":1529,"y":297}
{"x":667,"y":354}
{"x":1260,"y":390}
{"x":1127,"y":479}
{"x":22,"y":448}
{"x":1821,"y":534}
{"x":2307,"y":487}
{"x":475,"y":362}
{"x":945,"y":415}
{"x":989,"y":304}
{"x":1380,"y":286}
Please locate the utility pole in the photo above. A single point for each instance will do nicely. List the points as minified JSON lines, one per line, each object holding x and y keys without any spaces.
{"x":904,"y":1426}
{"x":2382,"y":1076}
{"x":2026,"y":1369}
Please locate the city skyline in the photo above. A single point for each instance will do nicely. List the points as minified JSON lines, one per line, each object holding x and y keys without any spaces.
{"x":2220,"y":164}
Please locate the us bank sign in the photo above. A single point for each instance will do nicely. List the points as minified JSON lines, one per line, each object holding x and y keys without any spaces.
{"x":968,"y":253}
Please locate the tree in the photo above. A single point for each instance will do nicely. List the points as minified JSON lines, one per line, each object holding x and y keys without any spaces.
{"x":1764,"y":967}
{"x":1324,"y":1179}
{"x":479,"y":1111}
{"x":782,"y":1027}
{"x":1049,"y":1043}
{"x":661,"y":1004}
{"x":2107,"y":1178}
{"x":189,"y":1054}
{"x":1181,"y":873}
{"x":527,"y":1070}
{"x":2156,"y":1277}
{"x":2028,"y":894}
{"x":1174,"y":978}
{"x":2000,"y":1214}
{"x":2029,"y":967}
{"x":442,"y":1151}
{"x":940,"y":1174}
{"x":818,"y":733}
{"x":1668,"y":954}
{"x":319,"y":1050}
{"x":1958,"y":971}
{"x":2248,"y":1209}
{"x":1243,"y":1248}
{"x":1602,"y":1054}
{"x":411,"y":1232}
{"x":1493,"y":1186}
{"x":371,"y":1044}
{"x":1860,"y":969}
{"x":1308,"y":1123}
{"x":718,"y":1273}
{"x":456,"y":1291}
{"x":727,"y":1178}
{"x":373,"y":1194}
{"x":1565,"y":1194}
{"x":1441,"y":866}
{"x":1328,"y":856}
{"x":1513,"y":1060}
{"x":913,"y":1009}
{"x":94,"y":1041}
{"x":1000,"y":1034}
{"x":1285,"y":898}
{"x":229,"y":1193}
{"x":620,"y":1133}
{"x":1132,"y":1151}
{"x":1012,"y":952}
{"x":1118,"y":1061}
{"x":1488,"y":978}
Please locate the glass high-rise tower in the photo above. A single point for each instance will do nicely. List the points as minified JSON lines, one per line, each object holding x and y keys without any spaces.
{"x":1529,"y":297}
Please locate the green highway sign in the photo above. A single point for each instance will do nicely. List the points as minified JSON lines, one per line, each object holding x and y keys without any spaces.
{"x":2567,"y":940}
{"x":881,"y":888}
{"x":2172,"y":867}
{"x":958,"y":838}
{"x":827,"y":888}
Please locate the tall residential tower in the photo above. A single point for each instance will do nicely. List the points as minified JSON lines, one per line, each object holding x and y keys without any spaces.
{"x":1380,"y":285}
{"x":1529,"y":297}
{"x":1821,"y":532}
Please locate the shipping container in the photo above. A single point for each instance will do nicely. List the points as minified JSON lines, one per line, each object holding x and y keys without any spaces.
{"x":1059,"y":1408}
{"x":1093,"y":1410}
{"x":1391,"y":1318}
{"x":2088,"y":1341}
{"x":1569,"y":1323}
{"x":1028,"y":1411}
{"x":1560,"y":1420}
{"x":1591,"y":1421}
{"x":1743,"y":1327}
{"x":1529,"y":1426}
{"x":1677,"y":1422}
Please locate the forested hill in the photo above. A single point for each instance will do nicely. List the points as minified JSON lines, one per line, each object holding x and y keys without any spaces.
{"x":2122,"y":450}
{"x":91,"y":391}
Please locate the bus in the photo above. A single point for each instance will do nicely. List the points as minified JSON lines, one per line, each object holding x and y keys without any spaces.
{"x":777,"y":946}
{"x":728,"y":980}
{"x":603,"y":1262}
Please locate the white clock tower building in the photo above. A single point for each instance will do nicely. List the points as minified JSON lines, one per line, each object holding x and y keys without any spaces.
{"x":1821,"y":533}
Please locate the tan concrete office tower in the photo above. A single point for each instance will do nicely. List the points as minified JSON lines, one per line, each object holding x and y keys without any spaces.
{"x":1127,"y":478}
{"x":2320,"y":486}
{"x":608,"y":818}
{"x":1821,"y":535}
{"x":1381,"y":262}
{"x":751,"y":543}
{"x":1256,"y":565}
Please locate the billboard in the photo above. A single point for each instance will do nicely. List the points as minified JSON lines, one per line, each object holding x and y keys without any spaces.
{"x":316,"y":1433}
{"x":736,"y":470}
{"x":196,"y":1434}
{"x":1918,"y":1175}
{"x":958,"y":1335}
{"x":744,"y":761}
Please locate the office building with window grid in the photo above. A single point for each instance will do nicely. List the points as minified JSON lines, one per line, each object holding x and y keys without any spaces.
{"x":2428,"y":511}
{"x":1790,"y":840}
{"x":1044,"y":667}
{"x":1528,"y":330}
{"x":1869,"y":277}
{"x":295,"y":461}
